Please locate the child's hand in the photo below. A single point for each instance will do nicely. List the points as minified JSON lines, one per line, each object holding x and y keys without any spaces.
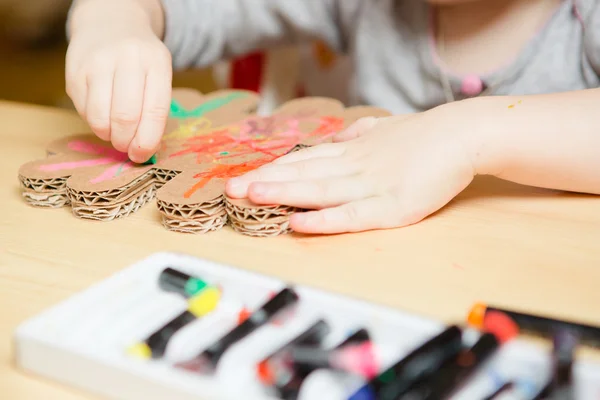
{"x":119,"y":78}
{"x":381,"y":173}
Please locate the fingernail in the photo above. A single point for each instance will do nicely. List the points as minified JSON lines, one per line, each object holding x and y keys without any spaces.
{"x":301,"y":222}
{"x":234,"y":188}
{"x":136,"y":157}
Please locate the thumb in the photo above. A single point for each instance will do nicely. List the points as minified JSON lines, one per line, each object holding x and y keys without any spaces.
{"x":358,"y":128}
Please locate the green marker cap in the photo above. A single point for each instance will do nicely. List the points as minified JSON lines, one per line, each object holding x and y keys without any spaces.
{"x":194,"y":286}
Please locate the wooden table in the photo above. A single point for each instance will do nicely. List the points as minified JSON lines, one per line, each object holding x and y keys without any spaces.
{"x":501,"y":243}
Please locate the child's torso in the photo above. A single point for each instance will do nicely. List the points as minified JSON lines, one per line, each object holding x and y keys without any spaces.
{"x":395,"y":67}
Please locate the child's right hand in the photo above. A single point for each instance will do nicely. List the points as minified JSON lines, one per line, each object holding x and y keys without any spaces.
{"x":119,"y":78}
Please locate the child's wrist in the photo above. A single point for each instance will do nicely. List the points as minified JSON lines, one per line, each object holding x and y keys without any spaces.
{"x":483,"y":128}
{"x":98,"y":14}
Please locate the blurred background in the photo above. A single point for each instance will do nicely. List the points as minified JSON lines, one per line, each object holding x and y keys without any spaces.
{"x":32,"y":54}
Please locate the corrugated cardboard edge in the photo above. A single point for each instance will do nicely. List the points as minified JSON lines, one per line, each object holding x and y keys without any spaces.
{"x":132,"y":189}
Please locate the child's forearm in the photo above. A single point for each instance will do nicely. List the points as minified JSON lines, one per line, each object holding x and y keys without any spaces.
{"x":550,"y":141}
{"x":132,"y":13}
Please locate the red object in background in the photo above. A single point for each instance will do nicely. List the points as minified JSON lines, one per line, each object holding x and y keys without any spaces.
{"x":300,"y":91}
{"x":246,"y":72}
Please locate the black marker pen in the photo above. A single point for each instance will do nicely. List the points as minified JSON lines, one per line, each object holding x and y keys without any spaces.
{"x":454,"y":374}
{"x":158,"y":341}
{"x":560,"y":384}
{"x":291,"y":390}
{"x":211,"y":356}
{"x":536,"y":324}
{"x":415,"y":367}
{"x":313,"y":336}
{"x":172,"y":280}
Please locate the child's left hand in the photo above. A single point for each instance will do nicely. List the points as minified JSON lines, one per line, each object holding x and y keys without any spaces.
{"x":379,"y":173}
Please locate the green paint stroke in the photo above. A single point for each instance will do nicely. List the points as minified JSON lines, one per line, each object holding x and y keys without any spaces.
{"x":120,"y":169}
{"x":179,"y":112}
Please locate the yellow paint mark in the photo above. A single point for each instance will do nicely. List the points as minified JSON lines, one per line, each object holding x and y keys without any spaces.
{"x":511,"y":106}
{"x":197,"y":127}
{"x":140,"y":350}
{"x":520,"y":101}
{"x":205,"y":302}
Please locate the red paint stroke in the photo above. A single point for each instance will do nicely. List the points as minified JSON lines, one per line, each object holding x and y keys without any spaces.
{"x":269,"y":136}
{"x":223,"y":171}
{"x":264,"y":135}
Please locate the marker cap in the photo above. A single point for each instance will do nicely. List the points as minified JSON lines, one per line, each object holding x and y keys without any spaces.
{"x":205,"y":302}
{"x":140,"y":350}
{"x":476,"y":316}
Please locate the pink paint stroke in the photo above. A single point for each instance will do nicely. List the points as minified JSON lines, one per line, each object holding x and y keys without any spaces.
{"x":112,"y":172}
{"x":80,"y":146}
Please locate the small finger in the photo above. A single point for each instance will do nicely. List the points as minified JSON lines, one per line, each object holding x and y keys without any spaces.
{"x":358,"y":128}
{"x":356,"y":216}
{"x":318,"y":168}
{"x":97,"y":108}
{"x":315,"y":194}
{"x":319,"y":151}
{"x":155,"y":110}
{"x":128,"y":96}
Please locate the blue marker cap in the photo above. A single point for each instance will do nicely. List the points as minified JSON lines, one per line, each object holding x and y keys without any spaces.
{"x":364,"y":393}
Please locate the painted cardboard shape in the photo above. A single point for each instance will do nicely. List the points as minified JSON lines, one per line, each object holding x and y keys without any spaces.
{"x":208,"y":139}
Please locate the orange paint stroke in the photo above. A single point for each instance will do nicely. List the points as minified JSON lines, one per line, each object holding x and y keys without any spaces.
{"x":269,"y":136}
{"x":224,"y":171}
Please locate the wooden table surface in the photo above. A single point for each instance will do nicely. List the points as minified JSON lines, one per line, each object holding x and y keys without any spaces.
{"x":498,"y":242}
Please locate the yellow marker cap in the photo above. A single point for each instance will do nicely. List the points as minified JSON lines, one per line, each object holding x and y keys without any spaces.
{"x":204,"y":302}
{"x":140,"y":350}
{"x":477,"y":315}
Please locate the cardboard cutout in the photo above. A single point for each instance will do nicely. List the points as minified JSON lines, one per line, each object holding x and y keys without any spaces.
{"x":208,"y":139}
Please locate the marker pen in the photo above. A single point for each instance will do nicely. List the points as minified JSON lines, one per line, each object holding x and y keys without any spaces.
{"x":560,"y":384}
{"x":456,"y":373}
{"x":537,"y":325}
{"x":269,"y":371}
{"x":172,"y":280}
{"x":211,"y":356}
{"x":201,"y":298}
{"x":361,"y":359}
{"x":421,"y":363}
{"x":291,"y":390}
